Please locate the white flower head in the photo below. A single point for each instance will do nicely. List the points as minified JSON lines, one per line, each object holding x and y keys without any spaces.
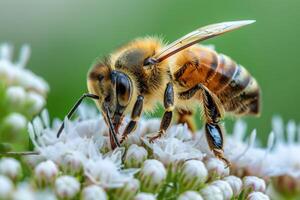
{"x":152,"y":175}
{"x":216,"y":168}
{"x":10,"y":167}
{"x":46,"y":172}
{"x":257,"y":196}
{"x":172,"y":151}
{"x":211,"y":192}
{"x":6,"y":187}
{"x":16,"y":74}
{"x":16,"y":95}
{"x":144,"y":196}
{"x":225,"y":188}
{"x":135,"y":156}
{"x":235,"y":184}
{"x":23,"y":191}
{"x":253,"y":183}
{"x":16,"y":122}
{"x":193,"y":175}
{"x":128,"y":191}
{"x":93,"y":192}
{"x":36,"y":102}
{"x":67,"y":187}
{"x":190,"y":195}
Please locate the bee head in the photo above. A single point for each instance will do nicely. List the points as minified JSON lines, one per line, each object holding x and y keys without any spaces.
{"x":114,"y":89}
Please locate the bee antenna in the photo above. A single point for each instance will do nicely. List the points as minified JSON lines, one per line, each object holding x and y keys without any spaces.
{"x":74,"y":108}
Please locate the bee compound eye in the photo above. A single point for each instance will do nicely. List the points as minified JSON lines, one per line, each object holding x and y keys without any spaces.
{"x":123,"y":89}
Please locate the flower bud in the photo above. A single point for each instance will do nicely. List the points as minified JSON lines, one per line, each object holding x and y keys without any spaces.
{"x":216,"y":168}
{"x":193,"y":175}
{"x":66,"y":187}
{"x":71,"y":163}
{"x":128,"y":191}
{"x":190,"y":195}
{"x":152,"y":176}
{"x":10,"y":167}
{"x":36,"y":102}
{"x":16,"y":95}
{"x":24,"y":191}
{"x":211,"y":192}
{"x":6,"y":187}
{"x":257,"y":196}
{"x":144,"y":196}
{"x":253,"y":183}
{"x":93,"y":192}
{"x":225,"y":188}
{"x":135,"y":156}
{"x":45,"y":172}
{"x":235,"y":184}
{"x":15,"y":122}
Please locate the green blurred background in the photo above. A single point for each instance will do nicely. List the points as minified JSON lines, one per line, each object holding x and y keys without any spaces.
{"x":66,"y":36}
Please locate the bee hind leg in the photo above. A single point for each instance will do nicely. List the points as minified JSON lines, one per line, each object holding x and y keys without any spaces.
{"x":213,"y":113}
{"x":168,"y":114}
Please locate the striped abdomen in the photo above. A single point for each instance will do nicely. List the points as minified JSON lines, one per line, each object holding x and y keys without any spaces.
{"x":237,"y":90}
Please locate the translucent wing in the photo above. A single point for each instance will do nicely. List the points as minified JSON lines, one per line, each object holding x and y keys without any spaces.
{"x":198,"y":35}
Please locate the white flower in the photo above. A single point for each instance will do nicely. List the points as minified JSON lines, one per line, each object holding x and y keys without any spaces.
{"x":128,"y":191}
{"x":6,"y":187}
{"x":257,"y":196}
{"x":211,"y":192}
{"x":107,"y":174}
{"x":190,"y":195}
{"x":225,"y":188}
{"x":72,"y":162}
{"x":16,"y":122}
{"x":66,"y":187}
{"x":46,"y":172}
{"x":10,"y":167}
{"x":23,"y":191}
{"x":152,"y":175}
{"x":93,"y":192}
{"x":254,"y":183}
{"x":16,"y":74}
{"x":135,"y":156}
{"x":192,"y":175}
{"x":216,"y":168}
{"x":171,"y":151}
{"x":235,"y":184}
{"x":16,"y":95}
{"x":36,"y":102}
{"x":144,"y":196}
{"x":45,"y":194}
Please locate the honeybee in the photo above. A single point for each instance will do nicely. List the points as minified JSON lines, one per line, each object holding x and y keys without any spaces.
{"x":182,"y":75}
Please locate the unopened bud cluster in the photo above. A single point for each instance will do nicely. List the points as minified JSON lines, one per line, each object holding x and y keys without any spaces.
{"x":22,"y":94}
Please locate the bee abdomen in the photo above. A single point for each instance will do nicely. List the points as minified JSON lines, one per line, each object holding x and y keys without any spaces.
{"x":247,"y":102}
{"x":223,"y":74}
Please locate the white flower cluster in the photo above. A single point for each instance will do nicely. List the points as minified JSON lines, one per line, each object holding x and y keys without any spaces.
{"x":172,"y":167}
{"x":22,"y":93}
{"x":278,"y":162}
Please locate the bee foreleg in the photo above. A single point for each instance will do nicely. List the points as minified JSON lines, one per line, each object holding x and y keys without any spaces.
{"x":213,"y":129}
{"x":135,"y":115}
{"x":168,"y":114}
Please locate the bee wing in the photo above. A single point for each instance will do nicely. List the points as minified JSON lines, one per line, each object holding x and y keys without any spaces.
{"x":198,"y":35}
